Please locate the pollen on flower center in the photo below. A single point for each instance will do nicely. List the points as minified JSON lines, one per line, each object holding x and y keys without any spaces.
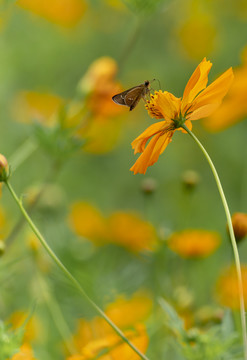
{"x":153,"y":108}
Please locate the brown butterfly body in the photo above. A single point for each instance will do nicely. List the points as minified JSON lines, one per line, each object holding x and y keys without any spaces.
{"x":132,"y":96}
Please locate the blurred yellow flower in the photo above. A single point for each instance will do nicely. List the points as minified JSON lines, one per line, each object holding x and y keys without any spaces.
{"x":96,"y":337}
{"x":66,"y":13}
{"x":116,"y":4}
{"x":98,"y":119}
{"x":30,"y":106}
{"x":33,"y":242}
{"x":113,"y":348}
{"x":198,"y":101}
{"x":194,"y":243}
{"x":87,"y":221}
{"x":25,"y":353}
{"x":32,"y":328}
{"x":197,"y":34}
{"x":234,"y":108}
{"x":121,"y":228}
{"x":227,"y":290}
{"x":3,"y":224}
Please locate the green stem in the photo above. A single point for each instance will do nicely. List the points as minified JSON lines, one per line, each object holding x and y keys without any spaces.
{"x":232,"y":236}
{"x":68,"y":274}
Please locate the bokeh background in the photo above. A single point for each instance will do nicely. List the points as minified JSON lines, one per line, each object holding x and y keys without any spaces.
{"x":69,"y":148}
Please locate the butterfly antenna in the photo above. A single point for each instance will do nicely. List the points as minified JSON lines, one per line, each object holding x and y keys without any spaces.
{"x":158,"y":82}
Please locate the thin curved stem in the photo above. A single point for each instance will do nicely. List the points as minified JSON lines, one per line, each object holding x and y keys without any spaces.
{"x":232,"y":237}
{"x":69,"y":275}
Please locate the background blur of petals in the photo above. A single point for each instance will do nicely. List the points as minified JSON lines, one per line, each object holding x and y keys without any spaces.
{"x":30,"y":106}
{"x":120,"y":228}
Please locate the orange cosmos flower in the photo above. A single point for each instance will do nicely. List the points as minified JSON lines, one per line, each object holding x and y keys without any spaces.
{"x":198,"y":101}
{"x":194,"y":243}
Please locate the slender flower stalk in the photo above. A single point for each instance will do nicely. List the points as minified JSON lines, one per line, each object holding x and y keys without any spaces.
{"x":232,"y":237}
{"x":67,"y":273}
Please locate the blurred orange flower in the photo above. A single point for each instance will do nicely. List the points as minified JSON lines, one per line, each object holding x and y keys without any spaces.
{"x":30,"y":106}
{"x":194,"y":243}
{"x":121,"y":228}
{"x":98,"y":119}
{"x":25,"y":353}
{"x":227,"y":290}
{"x":198,"y":101}
{"x":66,"y":13}
{"x":125,"y":312}
{"x":96,"y":337}
{"x":101,"y":72}
{"x":130,"y":231}
{"x":234,"y":108}
{"x":239,"y":223}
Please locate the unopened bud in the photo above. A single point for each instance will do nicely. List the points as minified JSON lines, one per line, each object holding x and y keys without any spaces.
{"x":2,"y":247}
{"x":4,"y":168}
{"x":239,"y":223}
{"x":149,"y":185}
{"x":190,"y":179}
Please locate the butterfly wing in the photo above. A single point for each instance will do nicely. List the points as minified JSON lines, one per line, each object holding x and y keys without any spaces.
{"x":131,"y":97}
{"x":120,"y":98}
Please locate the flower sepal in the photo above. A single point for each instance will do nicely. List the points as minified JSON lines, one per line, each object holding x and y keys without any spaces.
{"x":178,"y":123}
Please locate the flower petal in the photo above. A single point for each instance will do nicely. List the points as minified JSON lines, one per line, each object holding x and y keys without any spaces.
{"x":210,"y":98}
{"x":151,"y":153}
{"x":139,"y":143}
{"x":197,"y":82}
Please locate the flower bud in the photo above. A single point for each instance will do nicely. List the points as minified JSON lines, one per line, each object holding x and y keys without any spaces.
{"x":148,"y":185}
{"x":4,"y":168}
{"x":2,"y":247}
{"x":239,"y":223}
{"x":190,"y":179}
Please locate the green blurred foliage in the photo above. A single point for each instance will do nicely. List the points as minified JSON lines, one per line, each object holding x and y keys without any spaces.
{"x":143,"y":37}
